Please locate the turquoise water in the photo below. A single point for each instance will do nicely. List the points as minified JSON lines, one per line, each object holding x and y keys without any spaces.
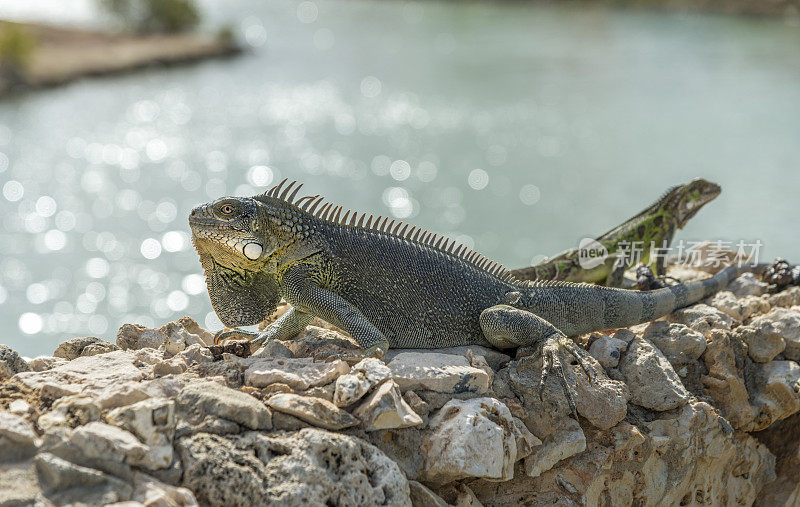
{"x":515,"y":128}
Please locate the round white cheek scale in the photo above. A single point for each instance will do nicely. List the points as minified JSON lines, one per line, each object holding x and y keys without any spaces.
{"x":252,"y":251}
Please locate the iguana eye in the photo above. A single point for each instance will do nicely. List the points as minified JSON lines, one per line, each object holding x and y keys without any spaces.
{"x":226,"y":209}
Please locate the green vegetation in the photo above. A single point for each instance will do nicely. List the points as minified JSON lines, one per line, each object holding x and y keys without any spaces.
{"x":154,"y":16}
{"x":16,"y":46}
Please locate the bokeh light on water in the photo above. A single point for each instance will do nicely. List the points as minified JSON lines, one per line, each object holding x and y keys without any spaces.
{"x":515,"y":129}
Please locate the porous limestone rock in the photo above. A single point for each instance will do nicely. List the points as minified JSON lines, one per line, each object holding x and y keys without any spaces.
{"x":316,"y":411}
{"x":739,"y":308}
{"x":365,"y":375}
{"x":198,"y":400}
{"x":688,"y":457}
{"x":42,"y":363}
{"x":680,"y":344}
{"x":725,"y":380}
{"x":299,"y":374}
{"x":18,"y":440}
{"x":152,"y":421}
{"x":567,"y":440}
{"x":602,"y":401}
{"x":70,"y":411}
{"x":470,"y":438}
{"x":777,"y":393}
{"x":385,"y":408}
{"x":196,"y":354}
{"x":152,"y":492}
{"x":98,"y":440}
{"x":172,"y":366}
{"x":127,"y":393}
{"x":763,"y":336}
{"x":421,"y":496}
{"x":444,"y":373}
{"x":173,"y":337}
{"x":701,"y":317}
{"x":607,"y":350}
{"x":11,"y":363}
{"x":83,"y":346}
{"x":783,"y":323}
{"x":309,"y":467}
{"x":652,"y":382}
{"x":787,"y":298}
{"x":89,"y":374}
{"x":136,"y":336}
{"x":67,"y":483}
{"x":496,"y":359}
{"x":747,"y":285}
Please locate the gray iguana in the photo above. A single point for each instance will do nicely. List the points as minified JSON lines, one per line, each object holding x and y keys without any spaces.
{"x":389,"y":284}
{"x":653,"y":226}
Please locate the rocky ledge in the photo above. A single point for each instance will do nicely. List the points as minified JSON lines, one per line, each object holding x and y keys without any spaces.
{"x":699,"y":408}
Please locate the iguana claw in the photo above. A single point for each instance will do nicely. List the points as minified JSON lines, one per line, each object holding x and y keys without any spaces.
{"x":549,"y":351}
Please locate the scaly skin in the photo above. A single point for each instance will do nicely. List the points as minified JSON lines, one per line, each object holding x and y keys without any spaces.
{"x":389,"y":286}
{"x":655,"y":225}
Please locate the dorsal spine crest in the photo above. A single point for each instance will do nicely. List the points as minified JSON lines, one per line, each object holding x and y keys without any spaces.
{"x":316,"y":206}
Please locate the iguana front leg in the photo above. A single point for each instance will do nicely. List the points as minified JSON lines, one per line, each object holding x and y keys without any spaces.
{"x":331,"y":307}
{"x":286,"y":327}
{"x":505,"y":327}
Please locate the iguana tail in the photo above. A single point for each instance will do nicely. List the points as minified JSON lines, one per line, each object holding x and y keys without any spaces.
{"x":583,"y":308}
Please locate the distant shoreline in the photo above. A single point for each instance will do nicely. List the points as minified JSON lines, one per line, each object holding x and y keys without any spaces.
{"x":65,"y":54}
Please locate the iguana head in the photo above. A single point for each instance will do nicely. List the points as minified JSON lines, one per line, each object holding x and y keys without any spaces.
{"x":689,"y":198}
{"x":229,"y":235}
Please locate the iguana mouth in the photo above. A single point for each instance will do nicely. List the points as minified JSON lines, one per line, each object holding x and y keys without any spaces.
{"x":205,"y":222}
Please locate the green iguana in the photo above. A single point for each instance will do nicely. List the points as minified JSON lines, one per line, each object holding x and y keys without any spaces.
{"x":653,"y":226}
{"x":389,"y":284}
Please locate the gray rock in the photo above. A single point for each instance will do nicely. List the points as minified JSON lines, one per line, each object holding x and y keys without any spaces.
{"x":196,"y":354}
{"x":153,"y":422}
{"x":470,"y":438}
{"x":83,"y":346}
{"x":152,"y":492}
{"x":42,"y":363}
{"x":70,"y":411}
{"x":495,"y":358}
{"x":365,"y":375}
{"x":423,"y":497}
{"x":299,"y":374}
{"x":309,"y":467}
{"x":652,"y":382}
{"x":102,"y":441}
{"x":11,"y":363}
{"x":781,"y":323}
{"x":316,"y":411}
{"x":173,"y":366}
{"x":17,"y":438}
{"x":764,"y":336}
{"x":136,"y":336}
{"x":385,"y":408}
{"x":20,"y":485}
{"x":701,"y":318}
{"x":127,"y":393}
{"x":740,"y":308}
{"x":747,"y":285}
{"x":679,"y":343}
{"x":786,"y":298}
{"x":89,"y":374}
{"x":566,"y":441}
{"x":67,"y":483}
{"x":273,"y":350}
{"x":200,"y":399}
{"x":444,"y":373}
{"x":172,"y":337}
{"x":607,"y":350}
